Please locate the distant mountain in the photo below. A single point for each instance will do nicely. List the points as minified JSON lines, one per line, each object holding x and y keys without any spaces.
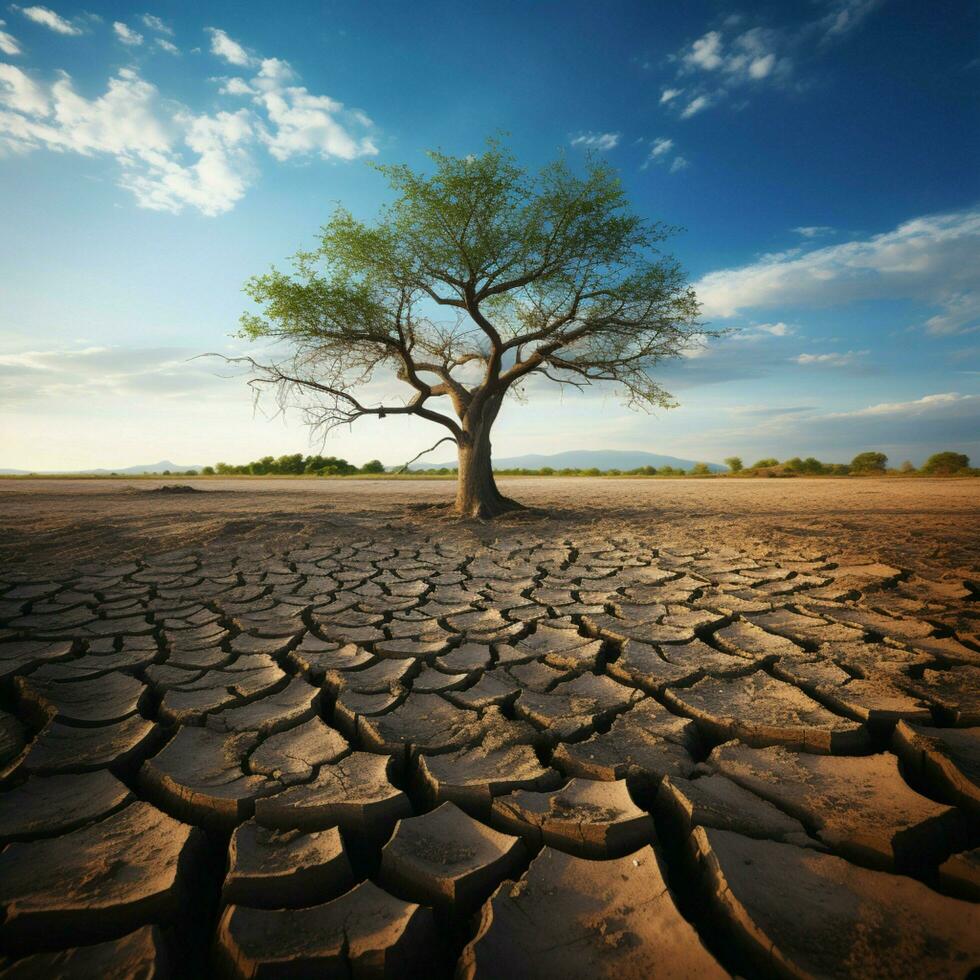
{"x":164,"y":464}
{"x":584,"y":459}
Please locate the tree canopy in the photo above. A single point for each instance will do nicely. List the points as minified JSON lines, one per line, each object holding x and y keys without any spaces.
{"x":946,"y":463}
{"x":477,"y":277}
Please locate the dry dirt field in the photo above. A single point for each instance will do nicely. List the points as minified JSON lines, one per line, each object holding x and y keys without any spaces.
{"x":686,"y":728}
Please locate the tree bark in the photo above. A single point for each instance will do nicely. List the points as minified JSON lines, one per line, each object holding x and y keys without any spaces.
{"x":476,"y":490}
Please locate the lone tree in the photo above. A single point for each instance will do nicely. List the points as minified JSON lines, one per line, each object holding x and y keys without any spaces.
{"x":946,"y":464}
{"x":869,"y":463}
{"x":549,"y":275}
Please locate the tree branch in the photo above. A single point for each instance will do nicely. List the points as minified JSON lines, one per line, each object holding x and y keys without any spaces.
{"x":424,"y":451}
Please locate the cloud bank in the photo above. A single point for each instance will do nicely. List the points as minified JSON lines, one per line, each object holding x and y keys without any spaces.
{"x":169,"y":157}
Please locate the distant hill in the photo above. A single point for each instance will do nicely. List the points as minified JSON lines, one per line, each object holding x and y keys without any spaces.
{"x":584,"y":459}
{"x":164,"y":464}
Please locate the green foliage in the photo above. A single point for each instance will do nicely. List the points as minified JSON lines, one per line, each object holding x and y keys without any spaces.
{"x":294,"y":464}
{"x":764,"y":464}
{"x":946,"y":464}
{"x":700,"y":469}
{"x":734,"y":463}
{"x":870,"y":462}
{"x":809,"y":466}
{"x":373,"y":466}
{"x":553,"y":267}
{"x":208,"y":470}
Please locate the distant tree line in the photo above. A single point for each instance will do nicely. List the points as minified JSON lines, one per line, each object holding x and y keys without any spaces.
{"x":864,"y":464}
{"x":294,"y":464}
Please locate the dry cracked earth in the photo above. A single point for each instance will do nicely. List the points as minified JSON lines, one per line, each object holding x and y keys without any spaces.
{"x":525,"y":757}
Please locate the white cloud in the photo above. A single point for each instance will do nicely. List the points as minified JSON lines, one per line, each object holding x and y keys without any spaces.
{"x":705,"y":52}
{"x":154,"y":23}
{"x":236,"y":86}
{"x":8,"y":43}
{"x":660,"y":151}
{"x":167,"y":46}
{"x":171,"y":158}
{"x":762,"y":66}
{"x":36,"y":375}
{"x":775,"y":329}
{"x":299,"y":123}
{"x":126,"y":34}
{"x":961,"y":313}
{"x":19,"y":92}
{"x":831,"y":360}
{"x":814,"y":231}
{"x":845,"y":15}
{"x":933,"y":259}
{"x":231,"y":51}
{"x":750,"y":58}
{"x":597,"y":141}
{"x":217,"y":179}
{"x":48,"y":18}
{"x":168,"y":161}
{"x":921,"y":406}
{"x":695,"y":105}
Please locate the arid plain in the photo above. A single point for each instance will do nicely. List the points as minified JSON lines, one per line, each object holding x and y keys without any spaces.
{"x":648,"y":727}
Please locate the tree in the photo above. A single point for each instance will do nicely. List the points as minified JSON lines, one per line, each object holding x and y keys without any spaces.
{"x":764,"y":464}
{"x":548,"y":276}
{"x":946,"y":464}
{"x":907,"y":467}
{"x":869,"y":463}
{"x":209,"y":470}
{"x":734,"y":463}
{"x":700,"y":469}
{"x":373,"y":466}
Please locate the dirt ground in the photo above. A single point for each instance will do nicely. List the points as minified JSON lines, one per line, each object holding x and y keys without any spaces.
{"x":695,"y":728}
{"x":923,"y":525}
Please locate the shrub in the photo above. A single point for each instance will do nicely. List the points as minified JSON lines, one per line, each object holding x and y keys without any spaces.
{"x":209,"y":470}
{"x":869,"y":463}
{"x":907,"y":467}
{"x":764,"y":464}
{"x":946,"y":464}
{"x":373,"y":466}
{"x":734,"y":463}
{"x":700,"y":469}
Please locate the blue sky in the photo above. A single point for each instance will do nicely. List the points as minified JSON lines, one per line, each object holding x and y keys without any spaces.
{"x":822,"y":157}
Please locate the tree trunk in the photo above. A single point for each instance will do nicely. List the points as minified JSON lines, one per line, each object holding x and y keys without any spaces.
{"x":476,"y":491}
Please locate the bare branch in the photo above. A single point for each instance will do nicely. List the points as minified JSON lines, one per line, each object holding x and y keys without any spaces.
{"x":424,"y":451}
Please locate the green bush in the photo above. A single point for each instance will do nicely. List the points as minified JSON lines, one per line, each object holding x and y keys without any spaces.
{"x":700,"y":469}
{"x":946,"y":464}
{"x":869,"y":463}
{"x":764,"y":464}
{"x":734,"y":463}
{"x":373,"y":466}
